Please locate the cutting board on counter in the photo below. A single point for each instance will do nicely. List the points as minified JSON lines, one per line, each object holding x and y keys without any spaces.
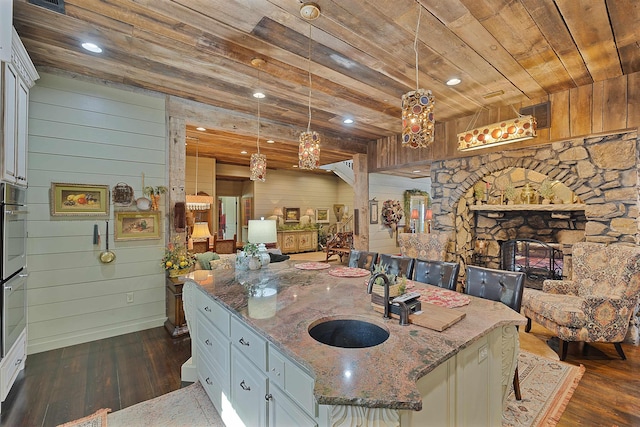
{"x":432,"y":316}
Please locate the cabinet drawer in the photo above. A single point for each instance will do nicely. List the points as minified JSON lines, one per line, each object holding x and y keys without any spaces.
{"x":215,"y":349}
{"x":211,"y":384}
{"x":11,"y":365}
{"x":249,"y":343}
{"x":248,"y":391}
{"x":292,"y":379}
{"x":216,"y":314}
{"x":283,"y":412}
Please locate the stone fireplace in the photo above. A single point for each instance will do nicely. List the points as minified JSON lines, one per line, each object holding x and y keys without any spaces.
{"x":599,"y":180}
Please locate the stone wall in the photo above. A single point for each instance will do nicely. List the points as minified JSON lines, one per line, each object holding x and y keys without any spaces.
{"x":602,"y":171}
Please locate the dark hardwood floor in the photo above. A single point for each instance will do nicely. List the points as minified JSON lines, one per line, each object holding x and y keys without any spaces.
{"x":69,"y":383}
{"x":65,"y":384}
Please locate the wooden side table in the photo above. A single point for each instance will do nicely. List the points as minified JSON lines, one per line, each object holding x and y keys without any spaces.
{"x":176,"y":324}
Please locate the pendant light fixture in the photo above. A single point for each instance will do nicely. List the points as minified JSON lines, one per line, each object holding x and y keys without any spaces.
{"x":197,"y":202}
{"x":418,"y":122}
{"x":258,"y":166}
{"x":309,"y":148}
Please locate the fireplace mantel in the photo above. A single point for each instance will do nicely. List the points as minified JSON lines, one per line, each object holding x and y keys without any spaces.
{"x":570,"y":207}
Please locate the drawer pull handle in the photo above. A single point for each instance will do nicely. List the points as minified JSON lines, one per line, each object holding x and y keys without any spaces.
{"x":208,"y":381}
{"x":245,"y":386}
{"x":207,"y":342}
{"x":207,"y":309}
{"x":268,"y":397}
{"x":276,"y":372}
{"x":243,"y":342}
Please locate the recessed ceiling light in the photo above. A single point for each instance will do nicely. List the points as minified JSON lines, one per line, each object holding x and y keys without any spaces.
{"x":200,"y":128}
{"x":416,"y":171}
{"x":454,"y":81}
{"x":295,"y":166}
{"x":243,"y":152}
{"x":92,"y":47}
{"x":347,"y":121}
{"x":258,"y":95}
{"x":270,"y":141}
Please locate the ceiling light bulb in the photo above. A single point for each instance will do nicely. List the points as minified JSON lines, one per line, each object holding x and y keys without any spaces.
{"x":270,"y":141}
{"x":347,"y":121}
{"x":454,"y":81}
{"x":243,"y":152}
{"x":92,"y":47}
{"x":259,"y":95}
{"x":200,"y":128}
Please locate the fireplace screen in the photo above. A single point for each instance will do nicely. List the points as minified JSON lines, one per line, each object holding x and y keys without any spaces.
{"x":538,"y":260}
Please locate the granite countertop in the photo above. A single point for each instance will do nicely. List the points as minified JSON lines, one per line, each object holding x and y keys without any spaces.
{"x":381,"y":376}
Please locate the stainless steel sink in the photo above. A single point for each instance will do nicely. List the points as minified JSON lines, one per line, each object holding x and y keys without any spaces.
{"x":348,"y":333}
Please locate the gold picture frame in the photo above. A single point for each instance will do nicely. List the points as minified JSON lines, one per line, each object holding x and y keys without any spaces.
{"x":79,"y":200}
{"x":291,"y":214}
{"x":137,"y":225}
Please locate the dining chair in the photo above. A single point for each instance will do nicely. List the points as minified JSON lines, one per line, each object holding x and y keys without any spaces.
{"x":398,"y":265}
{"x":363,"y":259}
{"x":498,"y":285}
{"x":437,"y":273}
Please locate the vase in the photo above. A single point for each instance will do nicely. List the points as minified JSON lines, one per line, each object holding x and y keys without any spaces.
{"x":175,"y":272}
{"x":155,"y":200}
{"x":254,"y":263}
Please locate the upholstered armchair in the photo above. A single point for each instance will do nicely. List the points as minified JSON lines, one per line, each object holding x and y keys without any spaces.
{"x":597,"y":304}
{"x":431,"y":246}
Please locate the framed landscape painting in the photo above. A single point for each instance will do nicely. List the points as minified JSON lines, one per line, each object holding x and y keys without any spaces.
{"x":79,"y":200}
{"x":322,"y":215}
{"x":137,"y":225}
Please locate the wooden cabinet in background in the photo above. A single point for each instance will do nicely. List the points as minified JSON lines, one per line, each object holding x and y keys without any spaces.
{"x":293,"y":241}
{"x":176,"y":323}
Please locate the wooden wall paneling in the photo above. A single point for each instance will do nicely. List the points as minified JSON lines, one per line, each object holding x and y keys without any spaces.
{"x":597,"y":115}
{"x":560,"y":115}
{"x":615,"y":103}
{"x":580,"y":102}
{"x":633,"y":100}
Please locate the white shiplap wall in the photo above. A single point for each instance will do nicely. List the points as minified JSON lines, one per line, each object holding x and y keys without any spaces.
{"x":81,"y":132}
{"x":384,"y":187}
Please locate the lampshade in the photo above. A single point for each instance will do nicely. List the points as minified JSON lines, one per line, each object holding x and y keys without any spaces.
{"x":198,"y":203}
{"x":278,"y":212}
{"x":258,"y":167}
{"x":428,"y":215}
{"x":414,"y":214}
{"x":504,"y":132}
{"x":310,"y":212}
{"x":418,"y":121}
{"x":262,"y":231}
{"x":201,"y":231}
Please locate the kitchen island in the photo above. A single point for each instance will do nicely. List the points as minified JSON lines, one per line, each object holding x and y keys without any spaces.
{"x":254,"y":355}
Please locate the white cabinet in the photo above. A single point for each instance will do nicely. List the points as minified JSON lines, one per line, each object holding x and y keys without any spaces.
{"x":12,"y":364}
{"x":18,"y":76}
{"x":249,"y":387}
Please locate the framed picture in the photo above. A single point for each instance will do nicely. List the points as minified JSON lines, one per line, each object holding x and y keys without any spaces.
{"x":338,"y":211}
{"x":373,"y":212}
{"x":322,"y":215}
{"x":79,"y":200}
{"x":137,"y":225}
{"x":291,"y":214}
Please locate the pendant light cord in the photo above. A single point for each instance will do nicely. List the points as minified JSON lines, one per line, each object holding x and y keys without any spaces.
{"x":309,"y":72}
{"x":197,"y":145}
{"x":258,"y":140}
{"x":415,"y":43}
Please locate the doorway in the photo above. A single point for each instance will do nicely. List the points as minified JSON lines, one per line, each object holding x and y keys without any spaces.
{"x":227,"y":217}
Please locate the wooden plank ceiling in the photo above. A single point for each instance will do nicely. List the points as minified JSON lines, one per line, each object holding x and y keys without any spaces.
{"x":362,"y":60}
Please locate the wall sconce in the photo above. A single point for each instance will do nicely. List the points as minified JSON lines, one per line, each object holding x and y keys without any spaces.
{"x":504,"y":132}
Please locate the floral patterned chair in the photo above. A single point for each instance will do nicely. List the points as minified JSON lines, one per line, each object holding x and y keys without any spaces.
{"x":597,"y":304}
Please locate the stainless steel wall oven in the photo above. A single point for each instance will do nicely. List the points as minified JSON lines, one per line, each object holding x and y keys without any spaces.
{"x":13,"y":269}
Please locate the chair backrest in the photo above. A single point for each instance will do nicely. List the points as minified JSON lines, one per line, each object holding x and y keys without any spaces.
{"x":606,"y":270}
{"x":424,"y":245}
{"x":437,"y":273}
{"x":496,"y":285}
{"x":398,"y":265}
{"x":227,"y":246}
{"x":363,"y":259}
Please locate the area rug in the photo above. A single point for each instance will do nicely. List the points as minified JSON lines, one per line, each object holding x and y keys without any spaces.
{"x":546,"y":386}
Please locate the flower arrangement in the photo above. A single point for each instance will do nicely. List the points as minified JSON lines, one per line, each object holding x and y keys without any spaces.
{"x":392,"y":212}
{"x":176,"y":256}
{"x":251,"y":249}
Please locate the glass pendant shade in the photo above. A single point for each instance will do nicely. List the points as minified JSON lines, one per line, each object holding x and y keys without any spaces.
{"x":258,"y":167}
{"x":309,"y":150}
{"x":418,"y":121}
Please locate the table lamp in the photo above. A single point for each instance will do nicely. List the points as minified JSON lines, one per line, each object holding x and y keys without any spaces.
{"x":262,"y":231}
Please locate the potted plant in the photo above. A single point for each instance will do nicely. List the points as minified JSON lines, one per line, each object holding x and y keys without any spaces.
{"x":154,"y":193}
{"x":546,"y":191}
